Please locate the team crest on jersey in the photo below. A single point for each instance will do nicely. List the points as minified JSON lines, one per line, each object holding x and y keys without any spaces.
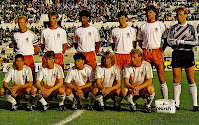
{"x":27,"y":39}
{"x":89,"y":34}
{"x":58,"y":35}
{"x":84,"y":77}
{"x":128,"y":35}
{"x":156,"y":29}
{"x":142,"y":73}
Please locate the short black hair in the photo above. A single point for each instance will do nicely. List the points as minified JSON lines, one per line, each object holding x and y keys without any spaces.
{"x":19,"y":56}
{"x":121,"y":13}
{"x":85,"y":13}
{"x":53,"y":13}
{"x":155,"y":10}
{"x":49,"y":54}
{"x":79,"y":56}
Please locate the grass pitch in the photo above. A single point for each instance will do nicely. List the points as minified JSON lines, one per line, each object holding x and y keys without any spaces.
{"x":125,"y":117}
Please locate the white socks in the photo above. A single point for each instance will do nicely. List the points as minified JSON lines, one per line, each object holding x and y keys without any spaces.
{"x":10,"y":99}
{"x":164,"y":90}
{"x":129,"y":99}
{"x":193,"y":91}
{"x":43,"y":101}
{"x":99,"y":98}
{"x":150,"y":99}
{"x":176,"y":93}
{"x":61,"y":99}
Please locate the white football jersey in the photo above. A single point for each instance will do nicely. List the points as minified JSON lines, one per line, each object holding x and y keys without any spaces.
{"x":108,"y":75}
{"x":79,"y":77}
{"x":53,"y":39}
{"x":123,"y":39}
{"x":138,"y":75}
{"x":86,"y":38}
{"x":23,"y":42}
{"x":50,"y":76}
{"x":152,"y":34}
{"x":18,"y":77}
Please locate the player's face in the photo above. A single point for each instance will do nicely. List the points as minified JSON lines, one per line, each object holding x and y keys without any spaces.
{"x":50,"y":61}
{"x":136,"y":60}
{"x":19,"y":63}
{"x":122,"y":20}
{"x":53,"y":20}
{"x":79,"y":63}
{"x":107,"y":62}
{"x":22,"y":24}
{"x":150,"y":15}
{"x":84,"y":20}
{"x":181,"y":17}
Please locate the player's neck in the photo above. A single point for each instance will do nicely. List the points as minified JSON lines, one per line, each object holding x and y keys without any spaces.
{"x":123,"y":25}
{"x":138,"y":64}
{"x":80,"y":67}
{"x":23,"y":30}
{"x":108,"y":66}
{"x":53,"y":27}
{"x":19,"y":68}
{"x":182,"y":23}
{"x":151,"y":21}
{"x":85,"y":25}
{"x":51,"y":66}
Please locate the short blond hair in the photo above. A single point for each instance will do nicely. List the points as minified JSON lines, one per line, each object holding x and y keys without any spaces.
{"x":23,"y":17}
{"x":136,"y":51}
{"x":181,"y":8}
{"x":107,"y":54}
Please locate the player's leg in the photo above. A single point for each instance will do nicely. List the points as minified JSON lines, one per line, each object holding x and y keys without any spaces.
{"x":33,"y":94}
{"x":158,"y":62}
{"x":29,"y":99}
{"x":44,"y":103}
{"x":99,"y":98}
{"x":127,"y":94}
{"x":177,"y":86}
{"x":91,"y":96}
{"x":116,"y":96}
{"x":2,"y":92}
{"x":61,"y":97}
{"x":192,"y":86}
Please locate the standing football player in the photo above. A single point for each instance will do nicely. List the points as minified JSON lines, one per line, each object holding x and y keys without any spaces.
{"x":138,"y":81}
{"x":87,"y":39}
{"x":149,"y":37}
{"x":52,"y":76}
{"x":25,"y":43}
{"x":182,"y":38}
{"x":123,"y":41}
{"x":108,"y":82}
{"x":54,"y":39}
{"x":22,"y":80}
{"x":78,"y":81}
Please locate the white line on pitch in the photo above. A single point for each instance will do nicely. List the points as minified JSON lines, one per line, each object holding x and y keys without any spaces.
{"x":70,"y":118}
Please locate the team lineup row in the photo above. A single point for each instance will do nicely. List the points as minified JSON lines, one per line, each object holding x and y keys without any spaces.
{"x":182,"y":37}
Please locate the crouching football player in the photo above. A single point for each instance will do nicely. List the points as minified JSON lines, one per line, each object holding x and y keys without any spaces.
{"x":108,"y":82}
{"x":52,"y":76}
{"x":78,"y":81}
{"x":21,"y":76}
{"x":138,"y":81}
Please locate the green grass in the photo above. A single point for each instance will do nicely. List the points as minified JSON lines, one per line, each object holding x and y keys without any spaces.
{"x":184,"y":116}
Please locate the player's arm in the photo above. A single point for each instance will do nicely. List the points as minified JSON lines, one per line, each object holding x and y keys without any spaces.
{"x":38,"y":85}
{"x":88,"y":84}
{"x":6,"y":87}
{"x":27,"y":85}
{"x":165,"y":44}
{"x":98,"y":83}
{"x":36,"y":49}
{"x":64,"y":48}
{"x":113,"y":46}
{"x":143,"y":85}
{"x":69,"y":85}
{"x":127,"y":84}
{"x":115,"y":86}
{"x":97,"y":46}
{"x":58,"y":85}
{"x":42,"y":47}
{"x":140,"y":43}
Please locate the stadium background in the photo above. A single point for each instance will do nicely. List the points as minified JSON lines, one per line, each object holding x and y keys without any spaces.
{"x":103,"y":17}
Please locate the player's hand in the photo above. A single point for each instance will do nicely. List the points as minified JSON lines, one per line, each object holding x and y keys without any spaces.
{"x":14,"y":89}
{"x":80,"y":93}
{"x":106,"y":91}
{"x":136,"y":91}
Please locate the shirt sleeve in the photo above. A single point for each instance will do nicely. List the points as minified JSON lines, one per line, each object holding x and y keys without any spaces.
{"x":60,"y":72}
{"x":98,"y":73}
{"x":97,"y":36}
{"x":29,"y":74}
{"x":8,"y":76}
{"x":65,"y":39}
{"x":40,"y":74}
{"x":42,"y":37}
{"x":164,"y":31}
{"x":126,"y":73}
{"x":149,"y":73}
{"x":69,"y":77}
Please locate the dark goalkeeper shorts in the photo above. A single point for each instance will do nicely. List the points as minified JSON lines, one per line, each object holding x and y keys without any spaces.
{"x":182,"y":58}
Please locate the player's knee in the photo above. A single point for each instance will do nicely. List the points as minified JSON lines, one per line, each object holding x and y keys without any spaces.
{"x":151,"y":90}
{"x":61,"y":90}
{"x":124,"y":91}
{"x":177,"y":79}
{"x":118,"y":91}
{"x":95,"y":91}
{"x":2,"y":91}
{"x":68,"y":91}
{"x":34,"y":91}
